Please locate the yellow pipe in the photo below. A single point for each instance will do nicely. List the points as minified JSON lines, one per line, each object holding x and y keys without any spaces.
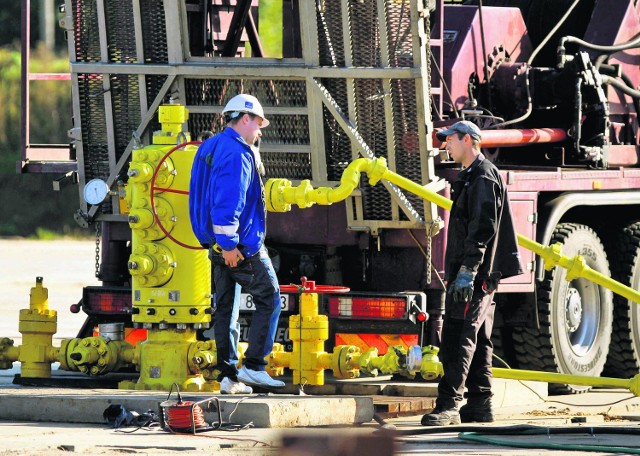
{"x":280,"y":195}
{"x":632,"y":384}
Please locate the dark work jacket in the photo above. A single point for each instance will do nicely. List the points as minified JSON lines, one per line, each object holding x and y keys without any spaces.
{"x":480,"y":201}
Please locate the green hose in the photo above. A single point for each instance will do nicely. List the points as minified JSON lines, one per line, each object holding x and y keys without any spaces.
{"x":477,"y":437}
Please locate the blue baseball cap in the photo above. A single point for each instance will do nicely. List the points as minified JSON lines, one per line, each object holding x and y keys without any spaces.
{"x":465,"y":127}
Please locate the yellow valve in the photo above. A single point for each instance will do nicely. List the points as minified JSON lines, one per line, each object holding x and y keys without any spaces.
{"x":308,"y":332}
{"x":172,"y":117}
{"x":37,"y":325}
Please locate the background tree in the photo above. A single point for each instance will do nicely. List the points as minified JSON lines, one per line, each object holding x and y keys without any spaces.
{"x":30,"y":206}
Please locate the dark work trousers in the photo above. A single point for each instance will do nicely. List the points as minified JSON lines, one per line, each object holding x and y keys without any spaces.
{"x":466,"y":349}
{"x":257,"y":277}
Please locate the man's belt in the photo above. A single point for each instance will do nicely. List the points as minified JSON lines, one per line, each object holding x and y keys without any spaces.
{"x":216,"y":248}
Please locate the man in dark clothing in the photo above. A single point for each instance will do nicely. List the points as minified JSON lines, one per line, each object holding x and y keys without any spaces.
{"x":481,"y":249}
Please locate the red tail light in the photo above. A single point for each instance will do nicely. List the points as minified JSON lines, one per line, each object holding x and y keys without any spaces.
{"x":374,"y":308}
{"x":106,"y":301}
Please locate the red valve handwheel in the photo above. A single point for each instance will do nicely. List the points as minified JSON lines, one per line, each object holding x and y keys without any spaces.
{"x":309,"y":286}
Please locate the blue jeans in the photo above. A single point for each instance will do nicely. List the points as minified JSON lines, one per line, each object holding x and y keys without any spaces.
{"x":257,"y":277}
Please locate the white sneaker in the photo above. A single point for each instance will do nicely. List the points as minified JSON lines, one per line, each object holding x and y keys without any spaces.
{"x":258,"y":378}
{"x":228,"y":386}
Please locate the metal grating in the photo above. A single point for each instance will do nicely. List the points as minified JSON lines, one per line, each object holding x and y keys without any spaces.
{"x":368,"y":111}
{"x":120,"y":32}
{"x":154,"y":32}
{"x":208,"y":92}
{"x":288,"y":165}
{"x":94,"y":133}
{"x":284,"y":130}
{"x":399,"y":32}
{"x":330,"y":37}
{"x":201,"y":123}
{"x":371,"y":122}
{"x":365,"y":36}
{"x":405,"y":125}
{"x":87,"y":40}
{"x":125,"y":98}
{"x":337,"y":144}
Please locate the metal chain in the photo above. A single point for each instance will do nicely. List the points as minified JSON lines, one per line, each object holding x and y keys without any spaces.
{"x":98,"y":250}
{"x":427,"y":25}
{"x":429,"y":263}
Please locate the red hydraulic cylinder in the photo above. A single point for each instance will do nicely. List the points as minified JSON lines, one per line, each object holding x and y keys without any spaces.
{"x":516,"y":137}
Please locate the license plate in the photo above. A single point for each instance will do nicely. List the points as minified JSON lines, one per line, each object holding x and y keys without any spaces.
{"x":247,"y":304}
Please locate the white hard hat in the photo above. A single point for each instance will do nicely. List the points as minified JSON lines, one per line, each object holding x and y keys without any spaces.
{"x":246,"y":103}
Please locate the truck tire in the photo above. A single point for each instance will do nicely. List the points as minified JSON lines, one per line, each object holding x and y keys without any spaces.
{"x":624,"y":361}
{"x":575,"y":317}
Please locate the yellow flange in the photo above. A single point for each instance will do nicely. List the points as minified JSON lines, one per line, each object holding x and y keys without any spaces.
{"x":164,"y":360}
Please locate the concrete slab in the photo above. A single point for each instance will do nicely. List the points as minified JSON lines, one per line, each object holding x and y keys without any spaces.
{"x":264,"y":411}
{"x":511,"y":393}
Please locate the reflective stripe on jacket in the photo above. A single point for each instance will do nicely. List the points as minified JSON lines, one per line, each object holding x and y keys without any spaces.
{"x":225,"y":194}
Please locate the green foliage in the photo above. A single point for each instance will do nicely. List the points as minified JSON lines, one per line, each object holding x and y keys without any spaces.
{"x":270,"y":24}
{"x":10,"y":112}
{"x":10,"y":21}
{"x":50,"y":100}
{"x":50,"y":104}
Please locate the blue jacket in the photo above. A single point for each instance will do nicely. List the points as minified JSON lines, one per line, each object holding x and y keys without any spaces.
{"x":226,"y":195}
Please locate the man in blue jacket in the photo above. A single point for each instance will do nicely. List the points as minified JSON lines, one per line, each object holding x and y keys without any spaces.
{"x":228,"y":215}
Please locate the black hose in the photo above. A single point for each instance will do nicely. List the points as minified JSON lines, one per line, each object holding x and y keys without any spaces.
{"x":611,"y":70}
{"x":598,"y":47}
{"x":621,"y":86}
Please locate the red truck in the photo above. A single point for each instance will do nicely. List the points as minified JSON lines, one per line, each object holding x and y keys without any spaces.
{"x":552,"y":83}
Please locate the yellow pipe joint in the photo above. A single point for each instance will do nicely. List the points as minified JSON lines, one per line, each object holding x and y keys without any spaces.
{"x":431,"y":367}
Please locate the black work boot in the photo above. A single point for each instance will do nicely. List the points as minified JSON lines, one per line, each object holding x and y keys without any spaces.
{"x":441,"y":417}
{"x":477,"y":410}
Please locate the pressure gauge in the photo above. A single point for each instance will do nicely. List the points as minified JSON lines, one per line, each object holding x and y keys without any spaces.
{"x":95,"y":191}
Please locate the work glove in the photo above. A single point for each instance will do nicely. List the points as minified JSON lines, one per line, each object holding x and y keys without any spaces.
{"x":461,"y":289}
